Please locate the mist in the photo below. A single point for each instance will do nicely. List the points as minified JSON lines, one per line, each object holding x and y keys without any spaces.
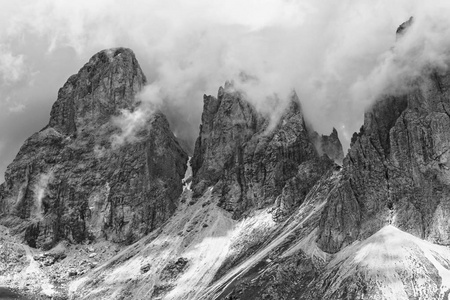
{"x":338,"y":56}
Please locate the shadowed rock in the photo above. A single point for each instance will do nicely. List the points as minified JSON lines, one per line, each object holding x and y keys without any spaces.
{"x":246,"y":162}
{"x":329,"y":145}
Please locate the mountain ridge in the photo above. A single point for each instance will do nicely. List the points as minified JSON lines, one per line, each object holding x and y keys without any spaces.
{"x":268,"y":211}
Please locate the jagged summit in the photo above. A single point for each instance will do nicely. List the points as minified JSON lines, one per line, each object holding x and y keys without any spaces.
{"x":102,"y":87}
{"x":249,"y":161}
{"x":329,"y":145}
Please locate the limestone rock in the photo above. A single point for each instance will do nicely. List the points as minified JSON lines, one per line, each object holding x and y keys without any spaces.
{"x":69,"y":182}
{"x":103,"y":86}
{"x":297,"y":188}
{"x":396,"y":171}
{"x":329,"y":145}
{"x":247,"y":163}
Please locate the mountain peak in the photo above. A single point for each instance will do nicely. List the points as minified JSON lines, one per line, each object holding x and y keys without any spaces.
{"x":82,"y":187}
{"x":113,"y":53}
{"x":105,"y":85}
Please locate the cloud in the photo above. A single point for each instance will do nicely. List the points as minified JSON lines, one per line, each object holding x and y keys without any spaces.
{"x":12,"y":67}
{"x":131,"y":122}
{"x":16,"y":108}
{"x":337,"y":55}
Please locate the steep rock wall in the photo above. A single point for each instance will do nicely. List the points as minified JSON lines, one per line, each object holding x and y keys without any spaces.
{"x":248,"y":163}
{"x":69,"y":181}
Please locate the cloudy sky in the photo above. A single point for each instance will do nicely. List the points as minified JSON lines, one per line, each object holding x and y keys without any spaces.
{"x":337,"y":55}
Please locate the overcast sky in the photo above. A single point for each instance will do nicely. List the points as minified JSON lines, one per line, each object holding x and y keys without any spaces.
{"x":337,"y":55}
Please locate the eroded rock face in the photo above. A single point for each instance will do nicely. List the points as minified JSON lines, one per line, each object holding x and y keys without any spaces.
{"x":297,"y":188}
{"x":104,"y":86}
{"x":396,"y":171}
{"x":330,"y":145}
{"x":69,"y":181}
{"x":247,"y":164}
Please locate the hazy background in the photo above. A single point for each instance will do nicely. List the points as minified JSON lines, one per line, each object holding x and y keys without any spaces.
{"x":337,"y":55}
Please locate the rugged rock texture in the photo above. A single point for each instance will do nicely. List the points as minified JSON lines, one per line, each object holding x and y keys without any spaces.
{"x":364,"y":238}
{"x":247,"y":163}
{"x":287,"y":261}
{"x":69,"y":181}
{"x":329,"y":145}
{"x":396,"y":171}
{"x":104,"y":86}
{"x":298,"y":187}
{"x":324,"y":231}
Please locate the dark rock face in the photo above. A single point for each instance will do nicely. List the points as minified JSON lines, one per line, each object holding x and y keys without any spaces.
{"x":69,"y":182}
{"x":297,"y":188}
{"x":104,"y":86}
{"x":329,"y":145}
{"x":396,"y":171}
{"x":285,"y":269}
{"x":247,"y":163}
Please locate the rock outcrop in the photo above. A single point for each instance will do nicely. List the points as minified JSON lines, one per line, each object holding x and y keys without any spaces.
{"x":396,"y":171}
{"x":70,"y":181}
{"x":329,"y":145}
{"x":247,"y":163}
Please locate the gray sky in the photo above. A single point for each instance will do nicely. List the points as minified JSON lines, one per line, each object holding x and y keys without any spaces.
{"x":337,"y":55}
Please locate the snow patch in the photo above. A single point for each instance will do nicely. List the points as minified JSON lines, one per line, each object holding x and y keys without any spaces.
{"x":397,"y":263}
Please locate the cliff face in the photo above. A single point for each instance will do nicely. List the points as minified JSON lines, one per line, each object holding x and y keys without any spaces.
{"x":104,"y":86}
{"x":69,"y":182}
{"x":359,"y":233}
{"x":330,"y":145}
{"x":248,"y":164}
{"x":396,"y":171}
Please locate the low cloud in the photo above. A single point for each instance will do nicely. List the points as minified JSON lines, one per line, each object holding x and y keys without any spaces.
{"x":12,"y":67}
{"x":131,"y":122}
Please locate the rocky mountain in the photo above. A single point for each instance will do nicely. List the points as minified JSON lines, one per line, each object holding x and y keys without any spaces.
{"x":329,"y":145}
{"x":71,"y":181}
{"x":396,"y":171}
{"x":248,"y":163}
{"x":248,"y":181}
{"x":264,"y":211}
